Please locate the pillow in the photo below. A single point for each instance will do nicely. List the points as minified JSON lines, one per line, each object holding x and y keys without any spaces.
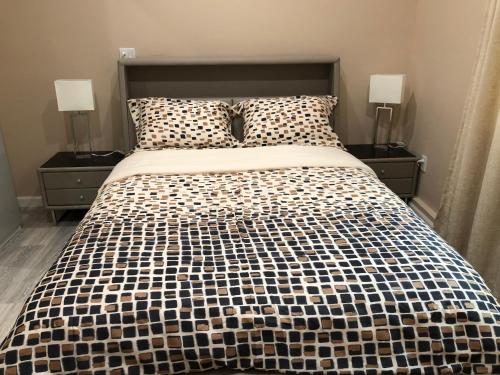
{"x":181,"y":123}
{"x":299,"y":120}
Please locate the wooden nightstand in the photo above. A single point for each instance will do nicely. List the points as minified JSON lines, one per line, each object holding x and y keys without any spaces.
{"x":68,"y":183}
{"x":396,"y":167}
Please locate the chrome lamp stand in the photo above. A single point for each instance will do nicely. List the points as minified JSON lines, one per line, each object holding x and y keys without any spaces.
{"x":385,"y":146}
{"x":77,"y":153}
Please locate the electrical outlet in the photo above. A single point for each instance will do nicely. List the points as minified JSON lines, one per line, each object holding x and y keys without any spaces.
{"x":423,"y":164}
{"x":127,"y":53}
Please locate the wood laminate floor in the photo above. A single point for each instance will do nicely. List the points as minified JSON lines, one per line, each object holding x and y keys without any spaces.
{"x":27,"y":256}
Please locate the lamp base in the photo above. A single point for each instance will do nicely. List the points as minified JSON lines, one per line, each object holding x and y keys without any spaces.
{"x":384,"y":147}
{"x":83,"y":155}
{"x":377,"y":125}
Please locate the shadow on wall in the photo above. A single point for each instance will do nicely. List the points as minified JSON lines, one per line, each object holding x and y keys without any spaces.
{"x":407,"y":127}
{"x":341,"y":122}
{"x":51,"y":124}
{"x":116,"y":116}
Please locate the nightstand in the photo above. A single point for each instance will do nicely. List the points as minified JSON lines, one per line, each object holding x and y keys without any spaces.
{"x":395,"y":167}
{"x":68,"y":183}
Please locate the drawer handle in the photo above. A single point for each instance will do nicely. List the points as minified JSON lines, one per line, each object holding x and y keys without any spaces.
{"x":78,"y":180}
{"x":382,"y":171}
{"x":81,"y":197}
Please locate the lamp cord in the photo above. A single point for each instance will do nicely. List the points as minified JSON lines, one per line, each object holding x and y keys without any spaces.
{"x":109,"y":153}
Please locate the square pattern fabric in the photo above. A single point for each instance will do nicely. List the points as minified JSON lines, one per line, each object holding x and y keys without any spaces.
{"x":181,"y":123}
{"x":294,"y":120}
{"x":318,"y":271}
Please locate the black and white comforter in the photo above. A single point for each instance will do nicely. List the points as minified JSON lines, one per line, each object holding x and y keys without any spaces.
{"x":303,"y":269}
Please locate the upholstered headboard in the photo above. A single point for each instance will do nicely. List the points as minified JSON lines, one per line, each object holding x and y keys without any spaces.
{"x":212,"y":78}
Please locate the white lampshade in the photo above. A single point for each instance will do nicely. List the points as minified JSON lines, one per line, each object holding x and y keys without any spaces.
{"x":74,"y":94}
{"x":387,"y":88}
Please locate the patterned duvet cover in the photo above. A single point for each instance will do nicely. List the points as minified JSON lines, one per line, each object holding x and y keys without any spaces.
{"x":317,"y":270}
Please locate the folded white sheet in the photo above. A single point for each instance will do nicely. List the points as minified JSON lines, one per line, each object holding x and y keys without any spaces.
{"x":226,"y":160}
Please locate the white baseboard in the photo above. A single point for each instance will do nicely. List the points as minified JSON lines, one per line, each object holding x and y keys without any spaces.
{"x":30,"y":201}
{"x":423,"y":210}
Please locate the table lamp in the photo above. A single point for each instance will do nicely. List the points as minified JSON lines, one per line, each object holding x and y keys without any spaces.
{"x":76,"y":96}
{"x":385,"y":89}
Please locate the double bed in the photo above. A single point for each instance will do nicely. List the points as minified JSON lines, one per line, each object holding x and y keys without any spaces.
{"x":277,"y":259}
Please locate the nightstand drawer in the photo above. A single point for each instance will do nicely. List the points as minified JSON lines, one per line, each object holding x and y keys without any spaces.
{"x":399,"y":186}
{"x":71,"y":197}
{"x":74,"y":180}
{"x":393,"y":169}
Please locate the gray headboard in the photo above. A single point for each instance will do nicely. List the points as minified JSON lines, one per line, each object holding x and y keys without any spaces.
{"x":207,"y":78}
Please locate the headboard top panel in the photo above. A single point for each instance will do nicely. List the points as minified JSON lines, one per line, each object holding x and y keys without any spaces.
{"x":270,"y":60}
{"x":223,"y":78}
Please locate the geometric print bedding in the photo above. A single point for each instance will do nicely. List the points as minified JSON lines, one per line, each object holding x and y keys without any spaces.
{"x":300,"y":270}
{"x":299,"y":120}
{"x":181,"y":123}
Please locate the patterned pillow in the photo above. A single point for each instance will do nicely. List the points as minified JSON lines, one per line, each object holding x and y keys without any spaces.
{"x":302,"y":120}
{"x":181,"y":123}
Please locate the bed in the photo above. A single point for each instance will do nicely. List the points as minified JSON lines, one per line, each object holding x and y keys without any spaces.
{"x":285,"y":259}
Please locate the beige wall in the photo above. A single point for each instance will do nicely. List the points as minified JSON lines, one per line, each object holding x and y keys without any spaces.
{"x":44,"y":40}
{"x":446,"y":41}
{"x":431,"y":40}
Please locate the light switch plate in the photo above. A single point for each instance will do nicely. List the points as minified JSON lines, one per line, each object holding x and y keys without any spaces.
{"x":127,"y":53}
